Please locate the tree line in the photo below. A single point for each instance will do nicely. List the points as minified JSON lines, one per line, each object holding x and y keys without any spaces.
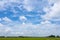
{"x":26,"y":36}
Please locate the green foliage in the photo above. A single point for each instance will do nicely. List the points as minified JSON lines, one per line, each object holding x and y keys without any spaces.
{"x":29,"y":38}
{"x":54,"y":36}
{"x":51,"y":36}
{"x":2,"y":36}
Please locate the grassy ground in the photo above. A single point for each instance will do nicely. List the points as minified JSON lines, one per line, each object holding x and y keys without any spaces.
{"x":29,"y":38}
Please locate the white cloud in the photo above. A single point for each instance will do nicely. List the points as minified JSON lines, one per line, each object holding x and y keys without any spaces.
{"x":27,"y":5}
{"x":53,"y":12}
{"x":45,"y":28}
{"x":1,"y":25}
{"x":23,"y":18}
{"x":38,"y":29}
{"x":29,"y":29}
{"x":8,"y":29}
{"x":17,"y":33}
{"x":28,"y":8}
{"x":6,"y":19}
{"x":46,"y":22}
{"x":4,"y":4}
{"x":31,"y":5}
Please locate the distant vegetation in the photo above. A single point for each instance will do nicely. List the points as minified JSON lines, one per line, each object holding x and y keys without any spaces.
{"x":51,"y":37}
{"x":26,"y":36}
{"x":54,"y":36}
{"x":38,"y":38}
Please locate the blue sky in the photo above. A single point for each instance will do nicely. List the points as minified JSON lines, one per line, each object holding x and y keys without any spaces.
{"x":29,"y":17}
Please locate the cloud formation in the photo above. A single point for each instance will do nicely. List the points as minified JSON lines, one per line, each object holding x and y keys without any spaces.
{"x":29,"y":17}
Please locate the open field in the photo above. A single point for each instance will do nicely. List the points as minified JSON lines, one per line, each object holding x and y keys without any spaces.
{"x":29,"y":38}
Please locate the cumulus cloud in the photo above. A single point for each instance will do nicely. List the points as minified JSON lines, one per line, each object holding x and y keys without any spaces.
{"x":6,"y":19}
{"x":23,"y":18}
{"x":53,"y":12}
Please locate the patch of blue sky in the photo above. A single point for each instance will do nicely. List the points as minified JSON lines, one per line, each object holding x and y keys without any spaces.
{"x":55,"y":22}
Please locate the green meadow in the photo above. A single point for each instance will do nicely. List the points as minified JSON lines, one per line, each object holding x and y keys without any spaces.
{"x":29,"y":38}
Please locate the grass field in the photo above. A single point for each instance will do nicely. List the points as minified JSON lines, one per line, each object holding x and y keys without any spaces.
{"x":29,"y":38}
